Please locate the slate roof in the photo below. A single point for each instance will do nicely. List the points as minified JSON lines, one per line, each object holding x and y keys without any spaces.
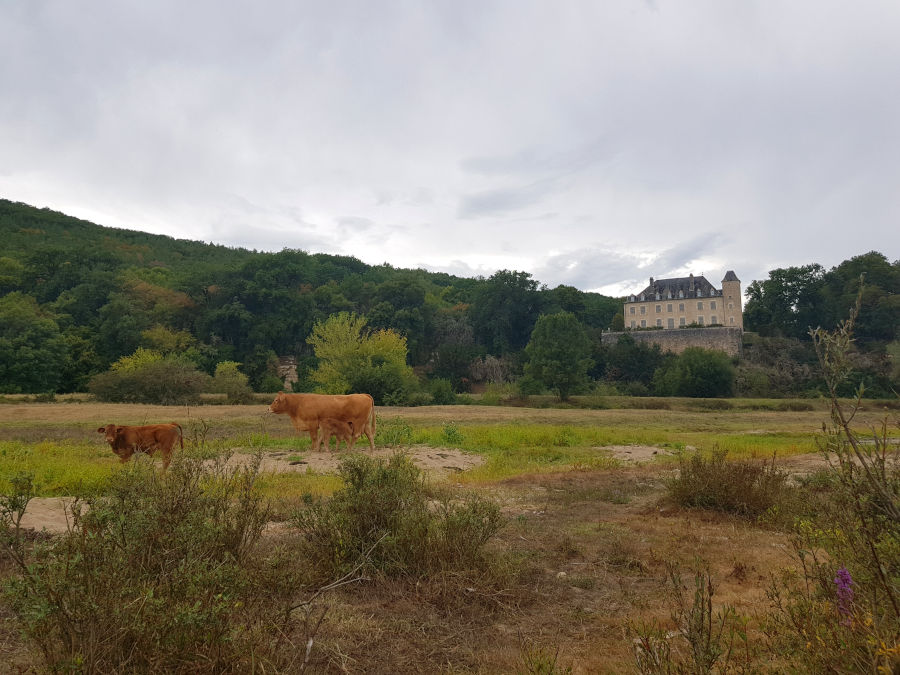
{"x":669,"y":288}
{"x":730,"y":276}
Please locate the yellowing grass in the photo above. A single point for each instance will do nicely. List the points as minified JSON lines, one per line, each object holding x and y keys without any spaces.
{"x":59,"y":469}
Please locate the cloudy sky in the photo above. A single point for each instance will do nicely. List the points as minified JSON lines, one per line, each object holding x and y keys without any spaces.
{"x":591,"y":143}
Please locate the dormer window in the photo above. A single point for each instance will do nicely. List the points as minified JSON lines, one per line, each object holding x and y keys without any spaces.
{"x":680,"y":294}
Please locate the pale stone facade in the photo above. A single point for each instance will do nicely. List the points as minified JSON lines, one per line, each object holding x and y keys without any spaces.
{"x":685,"y":301}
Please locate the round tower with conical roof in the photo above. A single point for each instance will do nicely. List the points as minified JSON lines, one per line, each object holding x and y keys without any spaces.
{"x":731,"y":299}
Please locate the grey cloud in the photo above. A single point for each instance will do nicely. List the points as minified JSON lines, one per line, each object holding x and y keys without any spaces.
{"x":710,"y":131}
{"x":534,"y":160}
{"x":503,"y":200}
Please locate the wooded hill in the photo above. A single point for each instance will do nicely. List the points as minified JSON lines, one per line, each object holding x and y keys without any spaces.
{"x":96,"y":293}
{"x":76,"y":296}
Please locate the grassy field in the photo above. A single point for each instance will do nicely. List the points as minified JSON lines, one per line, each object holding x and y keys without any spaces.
{"x":587,"y":538}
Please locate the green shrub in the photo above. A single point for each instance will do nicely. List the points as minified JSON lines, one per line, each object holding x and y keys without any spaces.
{"x":386,"y":516}
{"x":743,"y":487}
{"x":442,"y":392}
{"x":696,"y":372}
{"x":393,"y":432}
{"x":270,"y":384}
{"x":232,"y":382}
{"x":451,"y":435}
{"x":167,"y":381}
{"x":416,"y":399}
{"x":154,"y":577}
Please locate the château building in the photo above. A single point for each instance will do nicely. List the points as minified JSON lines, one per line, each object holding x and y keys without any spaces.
{"x":686,"y":301}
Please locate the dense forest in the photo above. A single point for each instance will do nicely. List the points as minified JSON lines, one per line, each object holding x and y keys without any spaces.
{"x":77,"y":298}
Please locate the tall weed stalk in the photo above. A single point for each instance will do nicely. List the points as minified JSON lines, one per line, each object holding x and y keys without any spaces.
{"x":840,"y":612}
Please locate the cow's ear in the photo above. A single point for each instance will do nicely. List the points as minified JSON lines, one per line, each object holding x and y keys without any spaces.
{"x":101,"y":430}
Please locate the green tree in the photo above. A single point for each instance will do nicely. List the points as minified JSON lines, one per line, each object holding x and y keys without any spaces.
{"x":786,"y":304}
{"x":229,"y":380}
{"x":696,"y":372}
{"x":352,"y":359}
{"x":559,"y":353}
{"x":32,"y":350}
{"x":632,"y":361}
{"x":504,"y":312}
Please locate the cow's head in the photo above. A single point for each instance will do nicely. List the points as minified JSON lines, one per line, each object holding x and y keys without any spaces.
{"x":113,"y":436}
{"x":109,"y":431}
{"x":279,"y":405}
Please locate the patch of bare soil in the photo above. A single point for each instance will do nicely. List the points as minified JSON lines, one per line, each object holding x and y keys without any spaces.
{"x":636,"y":453}
{"x":436,"y":462}
{"x":48,"y":513}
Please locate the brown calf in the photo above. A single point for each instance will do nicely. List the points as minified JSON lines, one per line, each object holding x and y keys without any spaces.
{"x":126,"y":440}
{"x":342,"y":431}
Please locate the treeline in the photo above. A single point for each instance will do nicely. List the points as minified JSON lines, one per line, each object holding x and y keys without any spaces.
{"x":76,"y":297}
{"x":781,"y":310}
{"x":78,"y":300}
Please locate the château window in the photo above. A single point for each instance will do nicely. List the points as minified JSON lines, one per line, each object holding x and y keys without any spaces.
{"x":669,"y":307}
{"x":659,"y":322}
{"x":680,"y":306}
{"x":632,"y":324}
{"x":712,"y":304}
{"x":671,"y":323}
{"x":681,"y":321}
{"x":699,"y":305}
{"x":643,"y":323}
{"x":658,"y":309}
{"x":712,"y":319}
{"x":700,"y":320}
{"x":643,"y":310}
{"x":631,"y":310}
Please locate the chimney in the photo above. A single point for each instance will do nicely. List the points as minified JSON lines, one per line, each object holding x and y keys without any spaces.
{"x":691,"y":287}
{"x":651,"y":281}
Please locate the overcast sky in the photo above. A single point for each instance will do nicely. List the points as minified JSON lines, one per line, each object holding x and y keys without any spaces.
{"x":593,"y":143}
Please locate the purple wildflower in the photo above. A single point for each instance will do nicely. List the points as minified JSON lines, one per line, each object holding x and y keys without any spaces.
{"x":844,"y":583}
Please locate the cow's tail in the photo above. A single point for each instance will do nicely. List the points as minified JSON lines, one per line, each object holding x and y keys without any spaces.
{"x":180,"y":434}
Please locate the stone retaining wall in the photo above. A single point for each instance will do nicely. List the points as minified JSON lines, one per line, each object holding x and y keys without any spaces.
{"x":676,"y":340}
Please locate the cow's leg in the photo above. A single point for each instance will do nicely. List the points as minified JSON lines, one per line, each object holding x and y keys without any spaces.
{"x":314,"y":439}
{"x":167,"y":458}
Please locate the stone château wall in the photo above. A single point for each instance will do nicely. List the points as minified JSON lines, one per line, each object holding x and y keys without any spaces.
{"x":676,"y":340}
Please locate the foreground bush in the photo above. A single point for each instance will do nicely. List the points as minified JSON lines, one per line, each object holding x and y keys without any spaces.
{"x":385,"y":513}
{"x":744,"y":487}
{"x":155,"y":577}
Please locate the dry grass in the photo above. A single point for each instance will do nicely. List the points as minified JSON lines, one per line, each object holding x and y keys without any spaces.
{"x":580,"y":566}
{"x":583,"y":552}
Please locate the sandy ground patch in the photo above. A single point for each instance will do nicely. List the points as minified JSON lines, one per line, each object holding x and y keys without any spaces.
{"x":47,"y":513}
{"x":436,"y":462}
{"x":636,"y":453}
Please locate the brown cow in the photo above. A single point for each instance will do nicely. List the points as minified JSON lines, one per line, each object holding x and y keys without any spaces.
{"x":342,"y":431}
{"x":308,"y":410}
{"x":126,"y":440}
